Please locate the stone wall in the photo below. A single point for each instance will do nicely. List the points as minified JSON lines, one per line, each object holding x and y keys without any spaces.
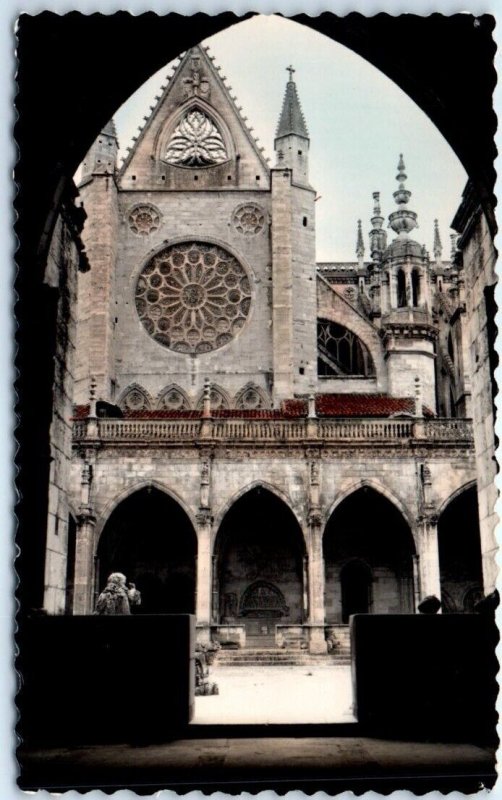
{"x":61,"y":274}
{"x":117,"y":472}
{"x":185,"y":217}
{"x":479,"y":258}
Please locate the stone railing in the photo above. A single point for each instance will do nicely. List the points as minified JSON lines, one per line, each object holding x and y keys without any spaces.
{"x":276,"y":431}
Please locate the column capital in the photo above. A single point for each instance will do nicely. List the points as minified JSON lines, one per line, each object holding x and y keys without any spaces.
{"x":315,"y":517}
{"x":204,"y":516}
{"x":86,"y":516}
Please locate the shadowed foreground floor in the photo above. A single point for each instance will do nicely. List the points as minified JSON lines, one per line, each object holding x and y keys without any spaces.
{"x":231,"y":765}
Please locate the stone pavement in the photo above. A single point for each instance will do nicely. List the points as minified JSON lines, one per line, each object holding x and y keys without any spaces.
{"x":278,"y":694}
{"x":330,"y":764}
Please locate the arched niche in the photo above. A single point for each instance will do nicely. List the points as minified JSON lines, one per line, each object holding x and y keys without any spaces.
{"x":259,"y":566}
{"x":149,"y":538}
{"x":460,"y":553}
{"x":368,"y":554}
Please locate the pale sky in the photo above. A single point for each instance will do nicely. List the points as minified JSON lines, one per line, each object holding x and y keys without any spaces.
{"x":358,"y":120}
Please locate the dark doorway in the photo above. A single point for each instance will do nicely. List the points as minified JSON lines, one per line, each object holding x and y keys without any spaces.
{"x":260,"y":567}
{"x":151,"y":540}
{"x":356,"y":582}
{"x":460,"y":553}
{"x":368,"y":549}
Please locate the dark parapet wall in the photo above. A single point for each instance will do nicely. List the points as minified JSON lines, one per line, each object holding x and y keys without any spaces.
{"x":424,"y":676}
{"x":99,"y":679}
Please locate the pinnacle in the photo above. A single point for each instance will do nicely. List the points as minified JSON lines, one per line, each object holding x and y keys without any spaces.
{"x":291,"y":119}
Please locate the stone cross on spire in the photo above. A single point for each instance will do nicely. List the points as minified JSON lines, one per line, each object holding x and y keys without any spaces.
{"x":291,"y":120}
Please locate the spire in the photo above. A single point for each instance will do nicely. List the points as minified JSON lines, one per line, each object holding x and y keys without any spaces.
{"x":438,"y":248}
{"x":291,"y":120}
{"x":359,"y":243}
{"x":378,"y":237}
{"x":403,"y":220}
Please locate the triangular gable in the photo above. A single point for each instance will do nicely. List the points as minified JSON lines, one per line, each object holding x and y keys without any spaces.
{"x":195,"y":136}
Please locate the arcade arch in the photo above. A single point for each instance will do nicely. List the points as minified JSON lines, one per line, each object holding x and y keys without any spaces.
{"x":460,"y":552}
{"x":259,"y":566}
{"x":368,"y":555}
{"x":150,"y":538}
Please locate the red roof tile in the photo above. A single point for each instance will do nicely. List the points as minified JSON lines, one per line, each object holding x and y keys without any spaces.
{"x":327,"y":405}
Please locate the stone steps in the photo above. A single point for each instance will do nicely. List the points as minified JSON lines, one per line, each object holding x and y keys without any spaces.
{"x":275,"y":657}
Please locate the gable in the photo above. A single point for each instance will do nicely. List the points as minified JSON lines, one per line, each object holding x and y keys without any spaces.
{"x":195,"y":137}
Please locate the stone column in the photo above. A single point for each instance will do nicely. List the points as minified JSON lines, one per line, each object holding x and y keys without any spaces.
{"x":215,"y":598}
{"x":409,"y":287}
{"x":317,"y":641}
{"x":430,"y":577}
{"x":204,"y":576}
{"x":84,"y":562}
{"x":305,"y":614}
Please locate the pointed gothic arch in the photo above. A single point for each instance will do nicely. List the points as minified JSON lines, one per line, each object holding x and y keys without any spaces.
{"x":219,"y":398}
{"x":211,"y":114}
{"x":252,"y":396}
{"x":259,"y":484}
{"x":173,"y":398}
{"x":459,"y":546}
{"x":367,"y":530}
{"x":131,"y":489}
{"x":135,"y":398}
{"x":259,"y":552}
{"x":380,"y":488}
{"x":151,"y":540}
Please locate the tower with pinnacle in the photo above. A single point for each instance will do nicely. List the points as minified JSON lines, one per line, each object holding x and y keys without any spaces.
{"x":292,"y":141}
{"x":409,"y":332}
{"x":293,"y":254}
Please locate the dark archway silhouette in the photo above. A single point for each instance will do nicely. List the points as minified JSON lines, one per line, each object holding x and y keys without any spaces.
{"x":260,"y":571}
{"x":460,"y":553}
{"x":368,"y":550}
{"x":66,"y":101}
{"x":150,"y":538}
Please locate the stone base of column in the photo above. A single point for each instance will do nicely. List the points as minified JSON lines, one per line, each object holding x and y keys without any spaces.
{"x":317,"y":641}
{"x":203,"y":632}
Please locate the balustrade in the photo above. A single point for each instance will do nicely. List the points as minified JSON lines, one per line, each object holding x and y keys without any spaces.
{"x":277,"y":430}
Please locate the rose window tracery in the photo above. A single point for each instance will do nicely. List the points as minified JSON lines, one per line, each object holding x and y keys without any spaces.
{"x":143,"y":220}
{"x":250,"y":398}
{"x":193,"y":297}
{"x":173,"y":400}
{"x":196,"y":142}
{"x":249,"y":219}
{"x":135,"y":399}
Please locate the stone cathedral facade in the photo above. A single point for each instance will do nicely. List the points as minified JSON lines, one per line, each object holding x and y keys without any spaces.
{"x":268,"y":442}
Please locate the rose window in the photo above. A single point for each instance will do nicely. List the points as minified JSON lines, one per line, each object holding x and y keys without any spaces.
{"x":196,"y":142}
{"x":249,"y":219}
{"x":193,"y":297}
{"x":143,"y":220}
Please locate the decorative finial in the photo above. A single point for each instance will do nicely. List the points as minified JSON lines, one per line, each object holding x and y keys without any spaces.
{"x":438,"y":248}
{"x":418,"y":397}
{"x":403,"y":220}
{"x":378,"y":237}
{"x":206,"y":400}
{"x":291,"y":70}
{"x":92,"y":397}
{"x":359,"y":242}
